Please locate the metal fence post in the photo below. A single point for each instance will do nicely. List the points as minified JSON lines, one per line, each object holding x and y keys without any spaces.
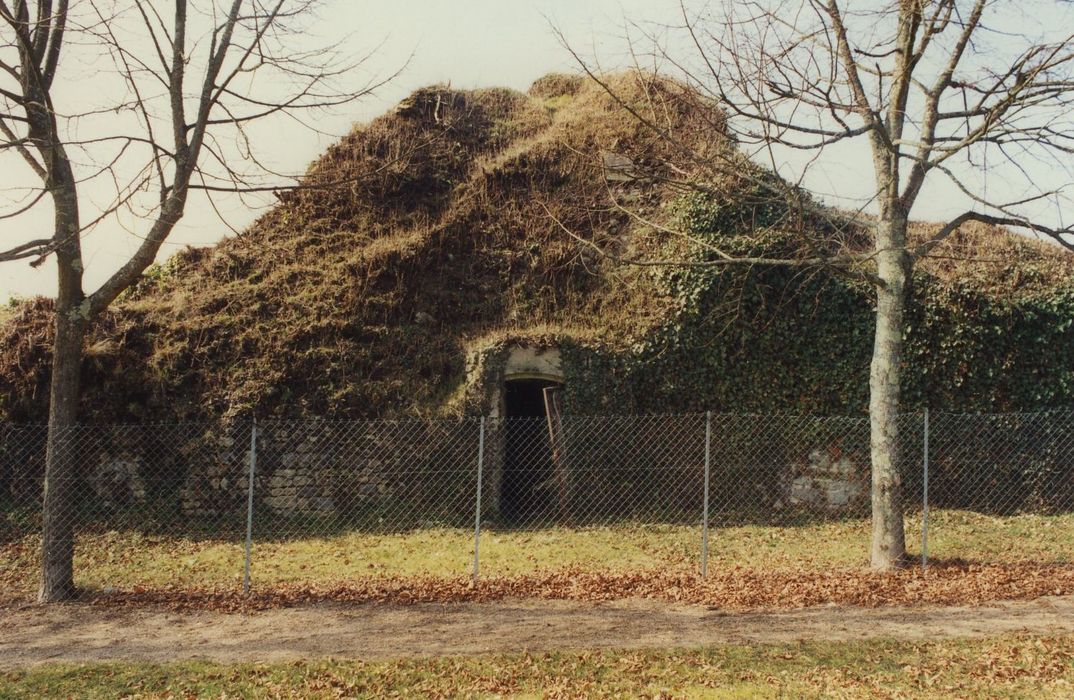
{"x":925,"y":497}
{"x":477,"y":509}
{"x":705,"y":508}
{"x":250,"y":508}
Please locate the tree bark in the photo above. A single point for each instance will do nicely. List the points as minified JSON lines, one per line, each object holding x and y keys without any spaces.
{"x":61,"y":473}
{"x":71,"y":316}
{"x":889,"y":541}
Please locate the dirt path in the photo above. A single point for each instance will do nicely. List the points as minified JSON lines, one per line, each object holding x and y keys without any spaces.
{"x":83,"y":633}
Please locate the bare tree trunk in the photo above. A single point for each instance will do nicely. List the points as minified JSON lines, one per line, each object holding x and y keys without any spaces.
{"x":57,"y":541}
{"x":889,"y":540}
{"x":57,"y":544}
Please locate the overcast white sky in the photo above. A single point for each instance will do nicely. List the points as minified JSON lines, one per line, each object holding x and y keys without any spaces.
{"x":468,"y":43}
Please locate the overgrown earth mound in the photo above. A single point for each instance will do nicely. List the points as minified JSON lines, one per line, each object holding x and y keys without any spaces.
{"x":444,"y":229}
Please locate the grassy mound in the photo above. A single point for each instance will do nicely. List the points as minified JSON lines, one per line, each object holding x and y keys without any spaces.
{"x":429,"y":233}
{"x":420,"y":233}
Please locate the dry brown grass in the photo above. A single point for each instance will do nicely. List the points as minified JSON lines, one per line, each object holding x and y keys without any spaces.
{"x":1017,"y":666}
{"x":751,"y":565}
{"x":992,"y":259}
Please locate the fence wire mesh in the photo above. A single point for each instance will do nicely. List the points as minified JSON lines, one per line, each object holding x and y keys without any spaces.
{"x":338,"y":499}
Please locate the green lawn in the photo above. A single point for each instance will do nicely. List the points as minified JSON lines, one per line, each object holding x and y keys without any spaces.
{"x":1004,"y":667}
{"x":124,"y":559}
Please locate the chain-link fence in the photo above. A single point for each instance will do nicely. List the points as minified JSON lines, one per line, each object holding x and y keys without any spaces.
{"x":332,"y":500}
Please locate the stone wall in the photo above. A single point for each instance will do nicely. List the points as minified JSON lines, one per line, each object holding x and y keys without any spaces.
{"x":414,"y":473}
{"x":216,"y":469}
{"x":117,"y":480}
{"x":22,"y":464}
{"x":828,"y":481}
{"x":320,"y":469}
{"x":403,"y":471}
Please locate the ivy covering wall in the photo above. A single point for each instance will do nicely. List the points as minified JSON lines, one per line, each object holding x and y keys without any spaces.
{"x":782,"y":339}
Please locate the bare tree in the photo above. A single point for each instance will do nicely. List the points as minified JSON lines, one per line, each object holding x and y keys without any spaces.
{"x":192,"y":80}
{"x":932,"y":90}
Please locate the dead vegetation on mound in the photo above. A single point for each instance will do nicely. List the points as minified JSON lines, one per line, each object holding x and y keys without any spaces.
{"x":989,"y":259}
{"x":422,"y":230}
{"x":419,"y":235}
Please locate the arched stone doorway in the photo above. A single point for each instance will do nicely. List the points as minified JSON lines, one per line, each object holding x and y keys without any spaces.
{"x":532,"y":378}
{"x":528,"y":483}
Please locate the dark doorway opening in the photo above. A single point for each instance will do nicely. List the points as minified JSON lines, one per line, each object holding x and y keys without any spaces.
{"x":528,"y":470}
